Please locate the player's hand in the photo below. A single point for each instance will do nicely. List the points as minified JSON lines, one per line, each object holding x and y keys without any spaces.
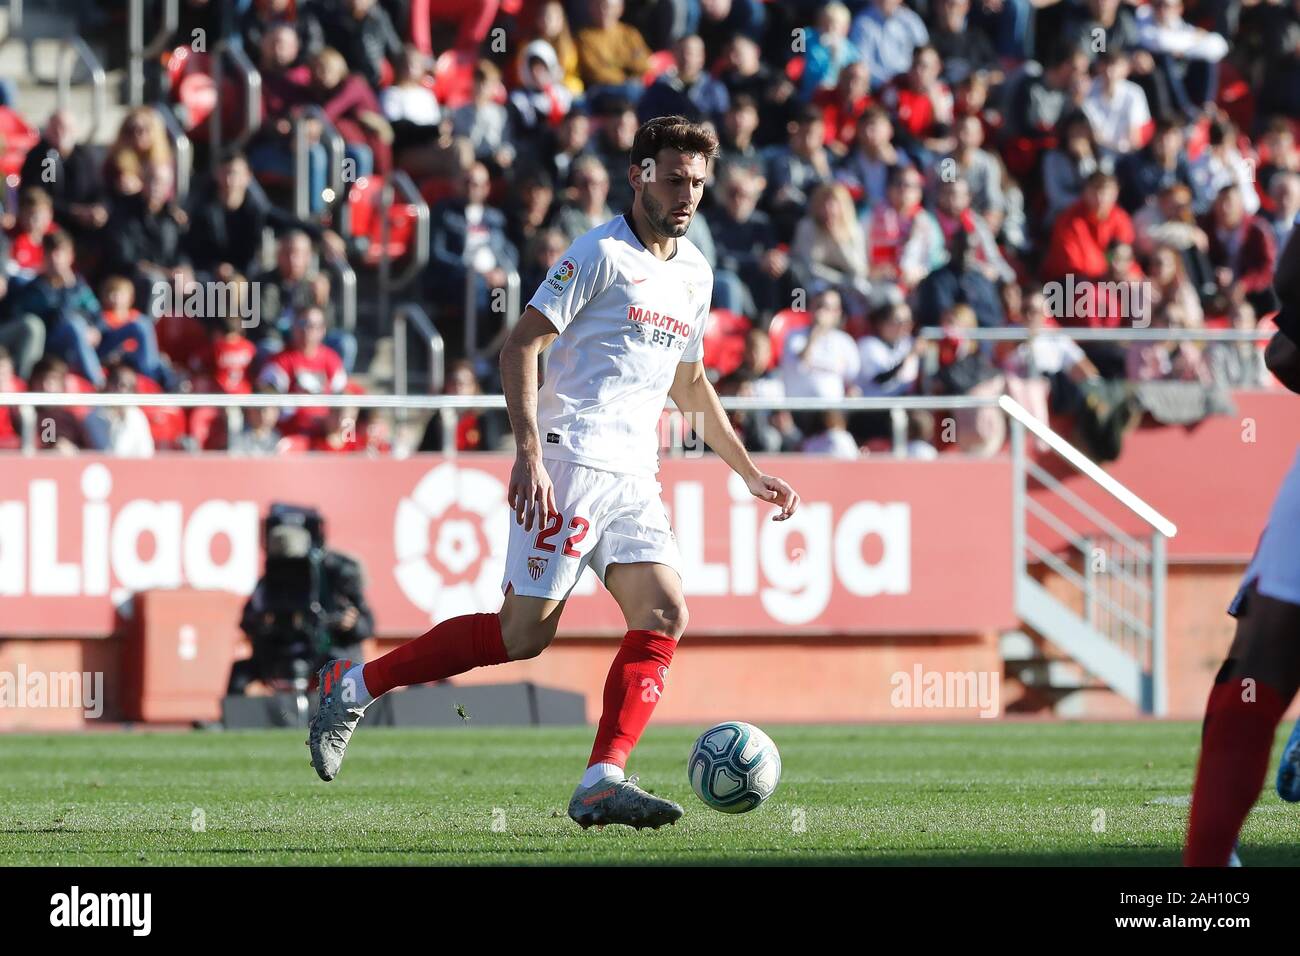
{"x":775,"y":490}
{"x":531,"y":493}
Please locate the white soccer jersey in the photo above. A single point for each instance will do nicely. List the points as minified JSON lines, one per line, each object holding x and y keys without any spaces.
{"x":626,"y":320}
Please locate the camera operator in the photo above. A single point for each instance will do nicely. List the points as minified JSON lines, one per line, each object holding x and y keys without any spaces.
{"x":307,"y":608}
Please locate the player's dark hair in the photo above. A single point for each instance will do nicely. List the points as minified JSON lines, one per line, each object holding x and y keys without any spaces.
{"x":673,"y":132}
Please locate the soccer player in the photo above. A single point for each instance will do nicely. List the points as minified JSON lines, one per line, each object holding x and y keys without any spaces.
{"x":623,"y":313}
{"x":1256,"y":683}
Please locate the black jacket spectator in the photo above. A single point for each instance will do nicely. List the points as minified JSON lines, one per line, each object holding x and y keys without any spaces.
{"x":365,"y":42}
{"x":72,"y":180}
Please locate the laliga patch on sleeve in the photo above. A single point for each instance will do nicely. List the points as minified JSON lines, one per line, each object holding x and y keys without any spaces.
{"x":562,"y":275}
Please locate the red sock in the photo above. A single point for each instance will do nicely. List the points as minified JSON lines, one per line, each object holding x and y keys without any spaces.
{"x":452,"y":647}
{"x":1235,"y":749}
{"x":635,"y":682}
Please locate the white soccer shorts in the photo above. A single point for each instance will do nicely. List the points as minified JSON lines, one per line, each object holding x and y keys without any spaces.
{"x":1275,"y":568}
{"x":605,"y":518}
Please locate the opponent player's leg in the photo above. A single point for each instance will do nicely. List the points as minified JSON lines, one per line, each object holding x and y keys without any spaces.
{"x":650,"y":596}
{"x":1251,"y":692}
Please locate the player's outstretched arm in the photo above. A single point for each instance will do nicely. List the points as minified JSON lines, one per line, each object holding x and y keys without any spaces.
{"x":531,"y":494}
{"x":694,"y":396}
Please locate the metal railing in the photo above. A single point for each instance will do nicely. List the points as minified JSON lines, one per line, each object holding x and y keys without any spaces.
{"x":182,"y":149}
{"x":511,"y":317}
{"x":252,"y":87}
{"x":332,"y":141}
{"x":1114,"y":581}
{"x":138,"y":51}
{"x":75,"y":50}
{"x":410,"y":312}
{"x":345,"y":280}
{"x":417,"y":254}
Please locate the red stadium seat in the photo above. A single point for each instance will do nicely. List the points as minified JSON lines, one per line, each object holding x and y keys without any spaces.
{"x":207,"y":427}
{"x":660,"y":62}
{"x":783,"y":323}
{"x":794,"y":69}
{"x":724,"y":341}
{"x":453,"y":78}
{"x":17,"y":137}
{"x":363,"y":221}
{"x":182,"y":339}
{"x":167,"y":425}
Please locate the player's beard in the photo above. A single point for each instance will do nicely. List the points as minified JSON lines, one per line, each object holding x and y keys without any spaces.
{"x":658,"y":218}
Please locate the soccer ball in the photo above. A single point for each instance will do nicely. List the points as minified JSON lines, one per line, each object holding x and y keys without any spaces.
{"x":734,"y":767}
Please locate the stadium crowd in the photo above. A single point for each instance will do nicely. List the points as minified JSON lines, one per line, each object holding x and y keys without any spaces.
{"x":884,"y":166}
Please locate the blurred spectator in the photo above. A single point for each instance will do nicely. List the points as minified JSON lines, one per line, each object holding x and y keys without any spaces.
{"x":931,"y":240}
{"x":306,"y":366}
{"x":1277,"y":153}
{"x":964,"y":278}
{"x":829,"y":50}
{"x":561,"y":148}
{"x":1158,"y":165}
{"x":796,"y":169}
{"x":889,"y":356}
{"x":1167,"y":361}
{"x":1067,"y":167}
{"x":1116,"y":106}
{"x":821,"y":361}
{"x":144,"y":233}
{"x":773,"y":431}
{"x":121,"y":430}
{"x":411,"y":108}
{"x":685,"y":89}
{"x":535,"y":209}
{"x":1186,"y":57}
{"x":127,"y":335}
{"x":21,"y":335}
{"x":962,"y":47}
{"x":1284,"y":190}
{"x":1169,"y":284}
{"x":587,"y":209}
{"x":964,"y":370}
{"x":541,"y":100}
{"x":618,"y":128}
{"x":141,"y":142}
{"x":1084,"y":230}
{"x":230,"y":362}
{"x":552,"y":25}
{"x":541,"y":252}
{"x":867,"y":169}
{"x":1038,"y":103}
{"x":889,"y":225}
{"x":842,"y":106}
{"x":833,"y":439}
{"x":227,"y":219}
{"x":34,"y":222}
{"x":469,"y":236}
{"x":293,"y":285}
{"x":484,"y":122}
{"x":343,"y":431}
{"x":71,"y":173}
{"x":722,"y":19}
{"x":737,"y":146}
{"x":886,"y":33}
{"x":612,"y":56}
{"x":1238,"y":364}
{"x":1242,"y":252}
{"x":1280,"y":89}
{"x":1109,"y":24}
{"x":363,"y":33}
{"x":57,"y":427}
{"x":261,"y":16}
{"x":920,"y":435}
{"x":473,"y":19}
{"x":259,"y":435}
{"x":980,"y":169}
{"x":923,"y":106}
{"x":830,"y":248}
{"x":1168,"y":220}
{"x":476,"y":429}
{"x":1221,"y":164}
{"x":349,"y":102}
{"x":63,"y":303}
{"x":745,"y":74}
{"x":746,"y":240}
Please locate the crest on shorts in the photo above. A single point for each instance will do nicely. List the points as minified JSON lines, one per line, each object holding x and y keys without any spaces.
{"x":536,"y":566}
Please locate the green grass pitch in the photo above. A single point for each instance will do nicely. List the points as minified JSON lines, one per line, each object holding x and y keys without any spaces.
{"x":934,"y":794}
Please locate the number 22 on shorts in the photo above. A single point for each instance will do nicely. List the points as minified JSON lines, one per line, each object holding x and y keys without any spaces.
{"x":554,"y":523}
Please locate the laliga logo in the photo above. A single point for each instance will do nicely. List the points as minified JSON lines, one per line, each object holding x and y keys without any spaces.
{"x":449,"y":536}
